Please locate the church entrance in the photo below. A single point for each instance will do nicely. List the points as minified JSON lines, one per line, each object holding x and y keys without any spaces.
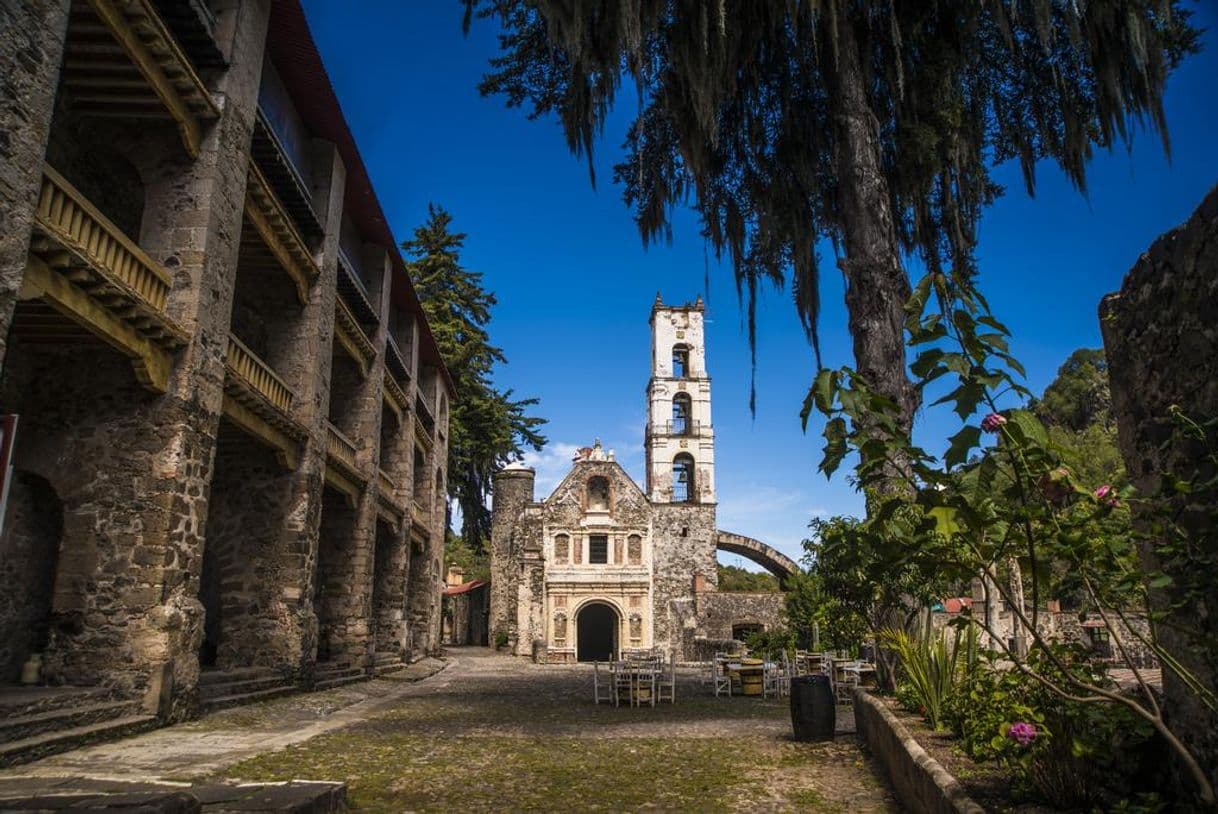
{"x":596,"y":632}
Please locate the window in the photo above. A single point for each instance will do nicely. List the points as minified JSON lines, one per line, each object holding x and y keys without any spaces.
{"x":598,"y":494}
{"x":598,"y":549}
{"x":683,"y":490}
{"x":561,"y":548}
{"x":682,"y":405}
{"x":680,"y":361}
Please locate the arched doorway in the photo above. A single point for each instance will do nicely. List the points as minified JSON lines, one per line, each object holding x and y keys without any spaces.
{"x":596,"y":632}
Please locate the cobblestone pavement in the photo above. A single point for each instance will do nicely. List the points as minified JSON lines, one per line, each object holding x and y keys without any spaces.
{"x":496,"y":733}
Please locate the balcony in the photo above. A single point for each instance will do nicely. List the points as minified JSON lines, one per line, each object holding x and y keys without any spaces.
{"x":419,"y":515}
{"x":83,"y":267}
{"x":278,"y":233}
{"x":682,"y":429}
{"x":386,"y":491}
{"x":352,"y":289}
{"x":396,"y":362}
{"x":342,"y":465}
{"x":351,"y":337}
{"x":395,"y":397}
{"x":282,"y":170}
{"x":425,"y":410}
{"x":260,"y":402}
{"x":122,"y":61}
{"x":194,"y":26}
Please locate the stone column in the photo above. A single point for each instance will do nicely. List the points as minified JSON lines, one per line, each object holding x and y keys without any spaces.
{"x":513,"y":488}
{"x":1160,"y":335}
{"x":31,"y":52}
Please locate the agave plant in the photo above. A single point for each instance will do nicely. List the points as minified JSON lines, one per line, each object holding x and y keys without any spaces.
{"x":929,"y":663}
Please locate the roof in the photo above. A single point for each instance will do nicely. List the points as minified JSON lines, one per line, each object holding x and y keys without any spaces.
{"x":464,"y":587}
{"x":299,"y":64}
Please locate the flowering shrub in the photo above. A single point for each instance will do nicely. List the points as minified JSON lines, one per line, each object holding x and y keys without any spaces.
{"x":1022,"y":733}
{"x":983,"y":509}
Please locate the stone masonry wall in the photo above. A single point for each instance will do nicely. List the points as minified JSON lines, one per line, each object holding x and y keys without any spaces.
{"x":683,"y":539}
{"x":31,"y":49}
{"x":29,"y":551}
{"x":719,"y":611}
{"x":513,"y":489}
{"x":1160,"y":334}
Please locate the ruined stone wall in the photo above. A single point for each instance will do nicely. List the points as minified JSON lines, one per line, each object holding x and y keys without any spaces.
{"x":29,"y":552}
{"x":1160,"y":334}
{"x":719,"y":612}
{"x":513,"y":489}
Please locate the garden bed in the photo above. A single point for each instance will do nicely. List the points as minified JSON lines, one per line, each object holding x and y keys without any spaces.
{"x":989,"y":784}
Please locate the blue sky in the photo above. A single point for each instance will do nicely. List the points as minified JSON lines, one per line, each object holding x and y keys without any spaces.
{"x":575,"y":285}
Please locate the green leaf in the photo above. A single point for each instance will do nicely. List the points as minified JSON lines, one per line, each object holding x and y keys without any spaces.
{"x":945,"y":520}
{"x":926,"y":362}
{"x":995,"y":341}
{"x":995,"y":324}
{"x":835,"y":445}
{"x":1029,"y":425}
{"x":962,"y":443}
{"x":824,"y":388}
{"x":1160,"y":581}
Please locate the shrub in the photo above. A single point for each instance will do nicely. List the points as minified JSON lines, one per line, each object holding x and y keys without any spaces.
{"x":770,"y":644}
{"x":929,"y":667}
{"x":501,"y":638}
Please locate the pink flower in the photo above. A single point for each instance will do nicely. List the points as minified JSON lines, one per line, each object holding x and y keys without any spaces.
{"x":1022,"y":733}
{"x":993,"y":422}
{"x":1107,"y":495}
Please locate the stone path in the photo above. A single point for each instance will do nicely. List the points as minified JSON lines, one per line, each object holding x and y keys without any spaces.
{"x":496,"y":733}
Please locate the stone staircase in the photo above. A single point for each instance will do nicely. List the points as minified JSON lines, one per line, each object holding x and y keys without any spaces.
{"x":39,"y":721}
{"x":220,"y":689}
{"x":387,"y":663}
{"x":328,"y":675}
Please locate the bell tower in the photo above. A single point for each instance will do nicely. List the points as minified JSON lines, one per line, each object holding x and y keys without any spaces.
{"x":679,"y":442}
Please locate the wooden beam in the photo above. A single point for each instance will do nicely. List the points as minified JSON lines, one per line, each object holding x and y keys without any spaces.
{"x":286,"y":449}
{"x":150,"y":361}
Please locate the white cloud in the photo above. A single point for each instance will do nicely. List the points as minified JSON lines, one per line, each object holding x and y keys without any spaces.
{"x":776,"y":516}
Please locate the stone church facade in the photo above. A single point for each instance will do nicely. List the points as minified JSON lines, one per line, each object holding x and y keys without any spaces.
{"x":231,"y":436}
{"x":602,"y":565}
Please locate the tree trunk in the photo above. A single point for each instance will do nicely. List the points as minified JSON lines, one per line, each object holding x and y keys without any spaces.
{"x":876,"y":284}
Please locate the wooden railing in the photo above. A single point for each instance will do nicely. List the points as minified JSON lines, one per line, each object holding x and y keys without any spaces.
{"x":352,"y":336}
{"x":70,"y":220}
{"x":279,"y":232}
{"x":418,"y":513}
{"x":395,"y":361}
{"x":257,"y":375}
{"x":387,"y":485}
{"x":396,"y":394}
{"x":341,"y":448}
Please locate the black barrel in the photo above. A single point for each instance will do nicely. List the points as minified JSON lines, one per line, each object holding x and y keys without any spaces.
{"x":813,"y":711}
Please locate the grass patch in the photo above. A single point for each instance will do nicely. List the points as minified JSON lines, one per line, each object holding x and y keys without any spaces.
{"x":395,"y":772}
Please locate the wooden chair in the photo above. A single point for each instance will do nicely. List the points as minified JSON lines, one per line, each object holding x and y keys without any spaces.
{"x":720,"y":674}
{"x":600,"y":694}
{"x":666,"y":685}
{"x":623,"y":682}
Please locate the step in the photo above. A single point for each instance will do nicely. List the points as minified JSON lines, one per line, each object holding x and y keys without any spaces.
{"x":331,"y":683}
{"x":384,"y":658}
{"x":212,"y":676}
{"x":328,"y":671}
{"x":241,"y":699}
{"x":240,"y":686}
{"x":20,"y":701}
{"x":27,"y":749}
{"x":27,"y":726}
{"x":389,"y":667}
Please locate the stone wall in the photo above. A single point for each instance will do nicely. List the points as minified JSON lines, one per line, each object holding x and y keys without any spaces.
{"x":29,"y":552}
{"x":513,"y":489}
{"x":683,"y":537}
{"x":31,"y":49}
{"x":720,"y":612}
{"x":1160,"y":334}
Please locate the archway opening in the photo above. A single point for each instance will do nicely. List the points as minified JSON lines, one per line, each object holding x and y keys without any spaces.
{"x":596,"y":632}
{"x":29,"y":551}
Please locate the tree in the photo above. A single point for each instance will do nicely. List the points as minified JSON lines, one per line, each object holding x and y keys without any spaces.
{"x":487,"y":428}
{"x":872,"y":125}
{"x":733,"y":578}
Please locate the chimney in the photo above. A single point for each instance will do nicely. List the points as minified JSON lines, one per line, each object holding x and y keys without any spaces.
{"x":456,"y":575}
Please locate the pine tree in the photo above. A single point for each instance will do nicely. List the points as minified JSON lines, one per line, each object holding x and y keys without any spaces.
{"x":487,"y":428}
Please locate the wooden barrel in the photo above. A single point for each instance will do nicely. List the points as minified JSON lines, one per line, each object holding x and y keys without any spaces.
{"x":813,"y":708}
{"x":751,"y":682}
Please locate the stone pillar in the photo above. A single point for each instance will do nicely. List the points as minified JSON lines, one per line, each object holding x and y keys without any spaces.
{"x":31,"y":51}
{"x":1160,"y":335}
{"x":513,"y":489}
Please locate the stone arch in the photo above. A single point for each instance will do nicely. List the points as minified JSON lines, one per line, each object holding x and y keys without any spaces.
{"x":769,"y":558}
{"x":598,"y":630}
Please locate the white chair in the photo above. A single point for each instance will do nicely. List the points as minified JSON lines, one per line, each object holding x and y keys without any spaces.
{"x":623,"y":683}
{"x":720,"y":675}
{"x":600,"y":694}
{"x":666,"y":685}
